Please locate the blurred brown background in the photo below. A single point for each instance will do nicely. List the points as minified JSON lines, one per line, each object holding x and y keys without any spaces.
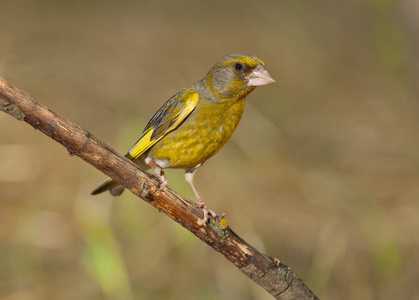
{"x":322,"y":173}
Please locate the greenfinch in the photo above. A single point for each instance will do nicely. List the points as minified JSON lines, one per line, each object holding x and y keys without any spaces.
{"x":194,"y":124}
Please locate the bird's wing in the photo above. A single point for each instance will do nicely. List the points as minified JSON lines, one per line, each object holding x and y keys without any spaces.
{"x":166,"y":119}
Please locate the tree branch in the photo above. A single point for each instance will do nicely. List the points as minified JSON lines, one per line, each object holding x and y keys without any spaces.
{"x":278,"y":279}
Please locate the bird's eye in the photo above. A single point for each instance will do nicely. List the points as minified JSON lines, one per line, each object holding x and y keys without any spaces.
{"x":238,"y":66}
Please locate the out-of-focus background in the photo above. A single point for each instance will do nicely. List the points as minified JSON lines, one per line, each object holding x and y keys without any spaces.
{"x":322,"y":172}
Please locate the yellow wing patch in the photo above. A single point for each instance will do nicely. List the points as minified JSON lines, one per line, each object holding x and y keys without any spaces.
{"x":146,"y":141}
{"x":190,"y":104}
{"x":142,"y":145}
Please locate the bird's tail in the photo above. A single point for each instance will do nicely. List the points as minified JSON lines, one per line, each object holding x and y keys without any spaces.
{"x":109,"y":185}
{"x":112,"y":186}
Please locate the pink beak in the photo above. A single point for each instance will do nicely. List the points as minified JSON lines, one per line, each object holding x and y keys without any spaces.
{"x":259,"y":77}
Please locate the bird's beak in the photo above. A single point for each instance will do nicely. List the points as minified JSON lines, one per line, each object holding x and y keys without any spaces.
{"x":259,"y":77}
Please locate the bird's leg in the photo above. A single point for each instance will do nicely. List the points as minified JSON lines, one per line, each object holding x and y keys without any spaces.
{"x":157,"y":171}
{"x":189,"y":174}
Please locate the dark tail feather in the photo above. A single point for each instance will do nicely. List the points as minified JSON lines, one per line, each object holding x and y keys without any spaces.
{"x":109,"y":185}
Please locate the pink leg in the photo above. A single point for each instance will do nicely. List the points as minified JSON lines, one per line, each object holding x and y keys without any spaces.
{"x":199,"y":203}
{"x":157,"y":171}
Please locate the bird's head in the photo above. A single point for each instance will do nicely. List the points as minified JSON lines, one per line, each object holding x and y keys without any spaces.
{"x":235,"y":76}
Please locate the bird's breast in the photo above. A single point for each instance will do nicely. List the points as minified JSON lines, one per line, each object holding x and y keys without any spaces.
{"x":200,"y":136}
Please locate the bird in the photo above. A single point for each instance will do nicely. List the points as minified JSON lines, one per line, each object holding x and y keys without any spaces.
{"x":196,"y":122}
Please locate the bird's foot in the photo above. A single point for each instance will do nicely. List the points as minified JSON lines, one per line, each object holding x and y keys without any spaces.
{"x":158,"y":172}
{"x":206,"y":211}
{"x":162,"y":178}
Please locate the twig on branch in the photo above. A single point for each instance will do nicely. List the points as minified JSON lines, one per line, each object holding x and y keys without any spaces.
{"x":278,"y":279}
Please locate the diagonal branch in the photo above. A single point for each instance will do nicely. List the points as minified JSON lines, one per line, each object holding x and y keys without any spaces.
{"x":278,"y":279}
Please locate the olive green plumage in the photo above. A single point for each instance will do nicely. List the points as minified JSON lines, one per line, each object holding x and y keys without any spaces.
{"x":196,"y":122}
